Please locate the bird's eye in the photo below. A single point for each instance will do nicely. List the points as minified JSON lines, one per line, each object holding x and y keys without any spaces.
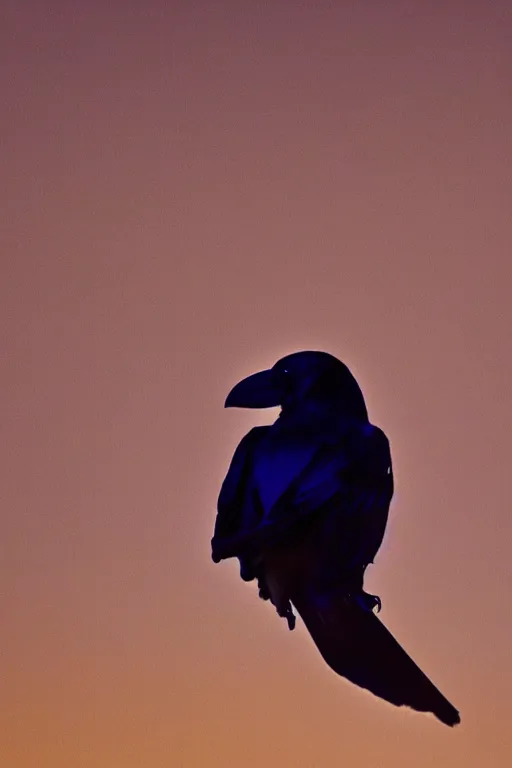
{"x":285,"y":370}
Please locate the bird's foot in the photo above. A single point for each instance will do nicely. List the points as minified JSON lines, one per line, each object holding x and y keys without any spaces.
{"x":263,"y":590}
{"x":290,"y":618}
{"x":286,"y":612}
{"x":368,"y":602}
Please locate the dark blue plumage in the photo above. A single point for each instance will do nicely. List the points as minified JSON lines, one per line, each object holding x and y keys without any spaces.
{"x":304,"y":508}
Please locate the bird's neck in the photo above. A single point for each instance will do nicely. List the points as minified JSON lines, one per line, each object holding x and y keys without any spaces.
{"x":325,"y":417}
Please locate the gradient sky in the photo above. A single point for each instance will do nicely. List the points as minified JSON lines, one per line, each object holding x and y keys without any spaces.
{"x":191,"y":190}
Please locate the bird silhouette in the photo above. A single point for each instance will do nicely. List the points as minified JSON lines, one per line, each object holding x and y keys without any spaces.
{"x":304,"y":508}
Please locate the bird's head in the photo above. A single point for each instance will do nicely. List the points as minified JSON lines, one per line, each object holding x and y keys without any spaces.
{"x":300,"y":379}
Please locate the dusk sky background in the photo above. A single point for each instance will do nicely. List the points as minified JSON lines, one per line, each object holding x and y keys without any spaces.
{"x":191,"y":190}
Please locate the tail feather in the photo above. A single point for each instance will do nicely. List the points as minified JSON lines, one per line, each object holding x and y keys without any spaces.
{"x":357,"y":646}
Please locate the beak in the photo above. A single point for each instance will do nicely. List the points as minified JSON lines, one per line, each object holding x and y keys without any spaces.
{"x":261,"y":390}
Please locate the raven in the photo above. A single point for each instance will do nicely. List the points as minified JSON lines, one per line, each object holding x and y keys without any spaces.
{"x":304,"y":508}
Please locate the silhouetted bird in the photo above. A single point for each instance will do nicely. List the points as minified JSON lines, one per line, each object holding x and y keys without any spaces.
{"x":304,"y":507}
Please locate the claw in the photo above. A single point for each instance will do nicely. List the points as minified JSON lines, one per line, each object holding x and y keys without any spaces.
{"x":290,"y":618}
{"x":286,"y":612}
{"x":368,"y":602}
{"x":263,"y":590}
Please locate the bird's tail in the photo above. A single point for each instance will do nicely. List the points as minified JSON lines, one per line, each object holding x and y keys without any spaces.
{"x":357,"y":645}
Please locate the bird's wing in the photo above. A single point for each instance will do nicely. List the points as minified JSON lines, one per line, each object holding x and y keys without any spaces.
{"x":370,"y":488}
{"x":357,"y":646}
{"x":237,"y":508}
{"x":344,"y":493}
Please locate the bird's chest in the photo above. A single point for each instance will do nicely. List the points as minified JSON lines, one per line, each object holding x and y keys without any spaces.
{"x":277,"y":465}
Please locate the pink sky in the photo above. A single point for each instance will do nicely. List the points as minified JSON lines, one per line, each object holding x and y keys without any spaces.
{"x":192,"y":190}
